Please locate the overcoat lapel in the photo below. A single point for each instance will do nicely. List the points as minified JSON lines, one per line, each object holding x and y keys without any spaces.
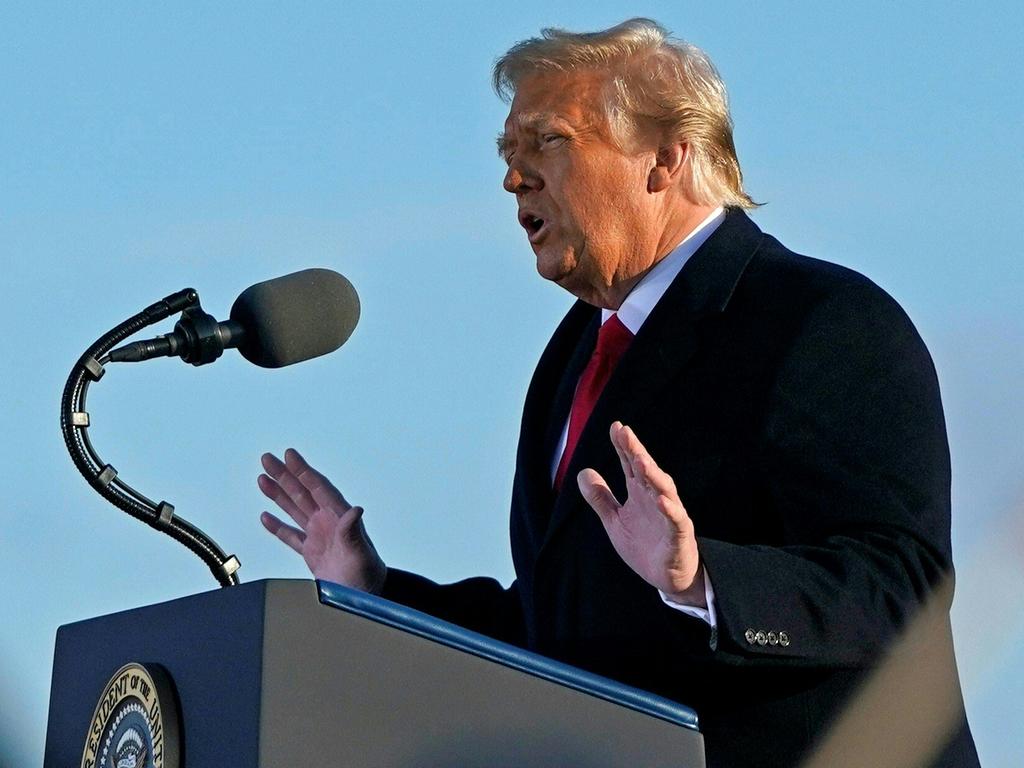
{"x":544,"y":413}
{"x":666,"y":342}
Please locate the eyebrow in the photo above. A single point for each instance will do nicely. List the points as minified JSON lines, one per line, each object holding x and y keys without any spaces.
{"x":527,"y":121}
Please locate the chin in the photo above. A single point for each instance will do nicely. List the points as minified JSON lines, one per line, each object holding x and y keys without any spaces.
{"x":556,"y":270}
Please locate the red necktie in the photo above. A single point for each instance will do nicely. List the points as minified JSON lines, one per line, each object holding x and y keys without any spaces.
{"x":612,"y":341}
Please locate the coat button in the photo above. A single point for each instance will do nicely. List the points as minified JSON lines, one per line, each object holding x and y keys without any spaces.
{"x":783,"y":639}
{"x":761,"y":637}
{"x":750,"y":636}
{"x":773,"y":639}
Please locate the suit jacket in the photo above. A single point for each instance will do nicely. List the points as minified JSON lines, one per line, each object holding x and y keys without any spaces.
{"x":798,"y":411}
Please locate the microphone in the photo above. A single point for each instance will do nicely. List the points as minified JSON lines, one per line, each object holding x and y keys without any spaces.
{"x":272,"y":324}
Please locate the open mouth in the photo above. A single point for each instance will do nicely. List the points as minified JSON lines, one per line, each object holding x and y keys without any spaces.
{"x":533,"y":225}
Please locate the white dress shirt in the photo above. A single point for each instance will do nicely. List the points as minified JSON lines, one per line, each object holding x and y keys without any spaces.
{"x":633,"y":313}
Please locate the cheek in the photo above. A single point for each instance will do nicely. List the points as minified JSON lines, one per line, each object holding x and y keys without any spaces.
{"x":610,"y":208}
{"x":603,"y":198}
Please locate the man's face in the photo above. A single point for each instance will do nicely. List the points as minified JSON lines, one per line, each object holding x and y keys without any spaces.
{"x":583,"y":202}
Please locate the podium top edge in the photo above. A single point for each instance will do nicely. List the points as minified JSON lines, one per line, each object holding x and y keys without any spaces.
{"x":431,"y":628}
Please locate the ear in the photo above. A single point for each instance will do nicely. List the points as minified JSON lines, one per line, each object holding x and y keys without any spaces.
{"x":669,"y":162}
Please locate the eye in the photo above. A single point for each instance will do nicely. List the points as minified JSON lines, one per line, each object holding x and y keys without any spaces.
{"x":552,"y":139}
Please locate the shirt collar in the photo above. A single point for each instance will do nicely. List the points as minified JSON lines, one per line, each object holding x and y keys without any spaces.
{"x":648,"y":292}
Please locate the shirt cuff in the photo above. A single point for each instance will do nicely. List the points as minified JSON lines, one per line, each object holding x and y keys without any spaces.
{"x":706,"y":615}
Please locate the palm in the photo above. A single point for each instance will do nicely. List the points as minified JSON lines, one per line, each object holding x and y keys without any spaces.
{"x":650,"y":531}
{"x":330,"y":534}
{"x":323,"y":543}
{"x":648,"y":542}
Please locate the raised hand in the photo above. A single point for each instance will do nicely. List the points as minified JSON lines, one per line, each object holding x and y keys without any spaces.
{"x":330,"y":534}
{"x":651,"y":531}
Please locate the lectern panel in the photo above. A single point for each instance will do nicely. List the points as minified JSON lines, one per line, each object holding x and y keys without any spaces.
{"x":269,"y":677}
{"x":406,"y":701}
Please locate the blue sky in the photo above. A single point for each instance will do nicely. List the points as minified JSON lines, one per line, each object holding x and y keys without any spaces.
{"x":151,"y":147}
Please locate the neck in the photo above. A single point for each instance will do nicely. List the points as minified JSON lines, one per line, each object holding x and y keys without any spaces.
{"x":685,"y":220}
{"x":680,"y":222}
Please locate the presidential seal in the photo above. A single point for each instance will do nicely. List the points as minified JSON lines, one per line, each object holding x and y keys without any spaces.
{"x":135,"y":724}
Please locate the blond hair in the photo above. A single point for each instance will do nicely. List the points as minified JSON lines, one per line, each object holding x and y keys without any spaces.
{"x":656,"y":82}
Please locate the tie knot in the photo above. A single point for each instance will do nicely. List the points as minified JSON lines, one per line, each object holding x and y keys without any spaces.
{"x":613,"y":338}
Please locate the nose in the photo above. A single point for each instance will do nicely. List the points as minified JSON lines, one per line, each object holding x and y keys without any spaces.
{"x":519,"y":178}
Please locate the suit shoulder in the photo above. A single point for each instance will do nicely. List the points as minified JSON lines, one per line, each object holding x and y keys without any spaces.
{"x":794,"y":285}
{"x":788,"y":296}
{"x":797,"y":274}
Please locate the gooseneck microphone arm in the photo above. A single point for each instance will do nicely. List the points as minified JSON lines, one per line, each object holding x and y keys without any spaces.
{"x":74,"y":422}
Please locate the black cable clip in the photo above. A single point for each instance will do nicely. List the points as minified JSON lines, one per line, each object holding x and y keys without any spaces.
{"x":229,"y":566}
{"x":164,"y":515}
{"x":107,"y":475}
{"x":93,"y":367}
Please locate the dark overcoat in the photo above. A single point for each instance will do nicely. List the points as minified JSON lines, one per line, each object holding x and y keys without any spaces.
{"x":798,"y":411}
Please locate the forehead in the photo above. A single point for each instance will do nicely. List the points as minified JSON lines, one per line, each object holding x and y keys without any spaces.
{"x":577,"y":98}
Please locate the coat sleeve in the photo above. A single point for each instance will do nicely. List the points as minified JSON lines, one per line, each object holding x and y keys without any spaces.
{"x":853,"y":464}
{"x":480,"y":604}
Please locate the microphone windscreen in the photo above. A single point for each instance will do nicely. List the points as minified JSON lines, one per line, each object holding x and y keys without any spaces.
{"x":296,"y":317}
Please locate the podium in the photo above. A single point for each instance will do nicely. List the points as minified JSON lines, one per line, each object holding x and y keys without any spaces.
{"x":282,"y":673}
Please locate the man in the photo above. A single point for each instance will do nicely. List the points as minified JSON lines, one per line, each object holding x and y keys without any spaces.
{"x":776,"y":510}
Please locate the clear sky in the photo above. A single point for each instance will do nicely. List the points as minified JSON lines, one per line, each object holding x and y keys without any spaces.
{"x":150,"y":147}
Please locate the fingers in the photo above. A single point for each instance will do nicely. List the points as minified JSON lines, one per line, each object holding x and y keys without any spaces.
{"x":647,"y":473}
{"x":616,"y":434}
{"x":295,"y":491}
{"x":276,"y":494}
{"x":320,"y":488}
{"x":298,"y":489}
{"x":655,"y":477}
{"x":661,"y":486}
{"x":293,"y":537}
{"x":642,"y":465}
{"x":630,"y":450}
{"x":598,"y":495}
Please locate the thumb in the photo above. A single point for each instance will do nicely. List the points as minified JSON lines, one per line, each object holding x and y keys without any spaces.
{"x":351,"y":527}
{"x":598,"y":495}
